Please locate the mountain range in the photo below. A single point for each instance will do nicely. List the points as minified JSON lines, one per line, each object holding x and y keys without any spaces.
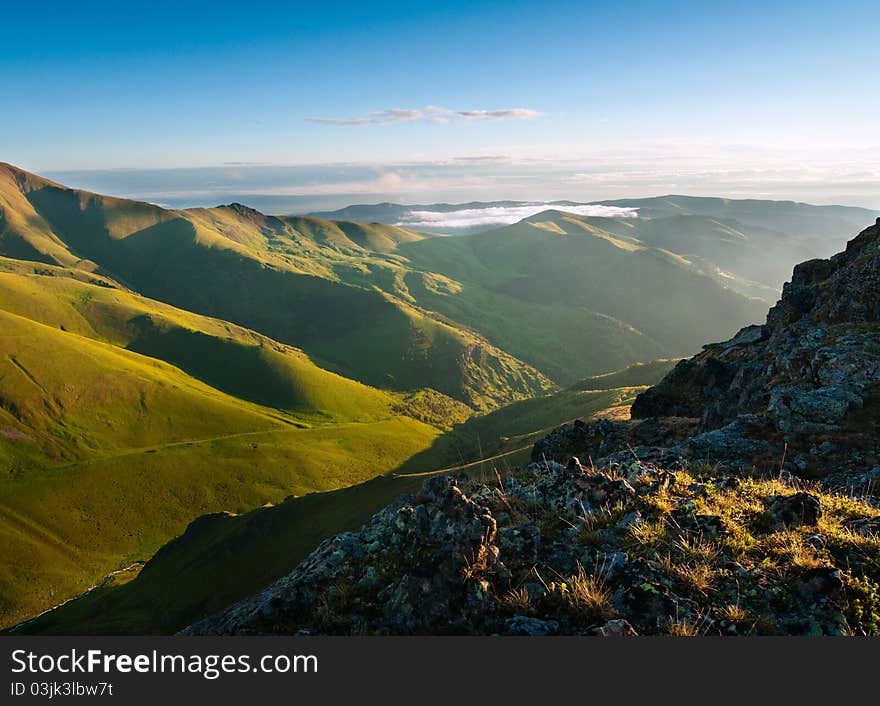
{"x":159,"y":365}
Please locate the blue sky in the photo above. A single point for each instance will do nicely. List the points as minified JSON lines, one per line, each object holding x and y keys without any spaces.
{"x":581,"y":100}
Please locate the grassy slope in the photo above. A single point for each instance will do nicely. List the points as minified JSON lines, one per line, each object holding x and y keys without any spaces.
{"x":259,"y":272}
{"x":493,"y":283}
{"x":561,"y":303}
{"x":564,"y":342}
{"x":109,"y":453}
{"x":442,"y":274}
{"x":512,"y":430}
{"x":227,"y":357}
{"x":813,"y":224}
{"x":190,"y":578}
{"x":750,"y":259}
{"x":63,"y":530}
{"x":90,"y":430}
{"x":757,"y":241}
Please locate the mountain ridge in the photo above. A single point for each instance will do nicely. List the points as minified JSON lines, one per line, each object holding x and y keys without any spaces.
{"x":188,"y":259}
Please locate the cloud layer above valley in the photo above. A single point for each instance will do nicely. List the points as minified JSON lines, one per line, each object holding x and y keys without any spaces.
{"x":467,"y":218}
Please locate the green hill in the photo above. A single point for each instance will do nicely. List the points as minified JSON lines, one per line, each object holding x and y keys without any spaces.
{"x":230,"y":358}
{"x":748,"y":245}
{"x":487,"y":319}
{"x":189,"y":577}
{"x":157,"y":365}
{"x":821,"y":227}
{"x":109,"y":453}
{"x":263,"y":273}
{"x":122,"y":419}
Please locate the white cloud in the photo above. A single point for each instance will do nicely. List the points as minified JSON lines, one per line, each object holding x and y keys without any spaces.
{"x":504,"y":215}
{"x":433,"y":114}
{"x":396,"y":115}
{"x":478,"y":158}
{"x":509,"y":114}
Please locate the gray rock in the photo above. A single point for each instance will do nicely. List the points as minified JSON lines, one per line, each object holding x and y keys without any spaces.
{"x":816,"y":541}
{"x":792,"y":510}
{"x":631,"y":520}
{"x":533,"y":627}
{"x":616,"y":628}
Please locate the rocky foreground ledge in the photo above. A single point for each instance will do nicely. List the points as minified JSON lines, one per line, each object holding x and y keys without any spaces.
{"x":740,"y":499}
{"x":555,"y":549}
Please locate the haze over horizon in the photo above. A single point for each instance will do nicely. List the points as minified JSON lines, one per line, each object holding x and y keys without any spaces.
{"x":297,"y":109}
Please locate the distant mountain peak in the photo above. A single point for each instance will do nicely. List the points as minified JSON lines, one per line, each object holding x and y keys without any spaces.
{"x":242,"y":208}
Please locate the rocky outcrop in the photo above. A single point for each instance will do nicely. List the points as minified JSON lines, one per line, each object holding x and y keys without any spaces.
{"x":417,"y":565}
{"x":564,"y":549}
{"x":815,"y":360}
{"x":800,"y":392}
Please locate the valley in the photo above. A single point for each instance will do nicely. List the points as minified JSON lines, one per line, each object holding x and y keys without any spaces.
{"x":185,"y":388}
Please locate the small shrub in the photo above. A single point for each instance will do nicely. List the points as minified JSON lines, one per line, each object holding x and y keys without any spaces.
{"x":517,"y":600}
{"x":685,"y":627}
{"x":584,"y":596}
{"x":862,"y":606}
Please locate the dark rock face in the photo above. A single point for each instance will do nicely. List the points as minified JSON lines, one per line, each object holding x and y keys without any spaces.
{"x":686,"y":389}
{"x":812,"y":362}
{"x":444,"y":539}
{"x":806,"y":374}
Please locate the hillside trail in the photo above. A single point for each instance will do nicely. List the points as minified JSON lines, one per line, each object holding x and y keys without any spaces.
{"x":155,"y":448}
{"x":471,"y":464}
{"x":21,"y":520}
{"x":453,"y":469}
{"x":611,"y":411}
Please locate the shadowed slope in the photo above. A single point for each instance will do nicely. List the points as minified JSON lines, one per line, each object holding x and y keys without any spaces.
{"x":593,"y":299}
{"x":240,"y":362}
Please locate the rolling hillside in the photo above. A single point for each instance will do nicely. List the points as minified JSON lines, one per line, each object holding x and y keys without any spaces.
{"x":759,"y":241}
{"x":748,"y":245}
{"x":588,"y":300}
{"x":123,"y":418}
{"x":157,"y":365}
{"x":188,"y":578}
{"x":796,"y":221}
{"x":260,"y":272}
{"x":108,"y":453}
{"x":807,"y":221}
{"x":240,"y":362}
{"x":488,"y":319}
